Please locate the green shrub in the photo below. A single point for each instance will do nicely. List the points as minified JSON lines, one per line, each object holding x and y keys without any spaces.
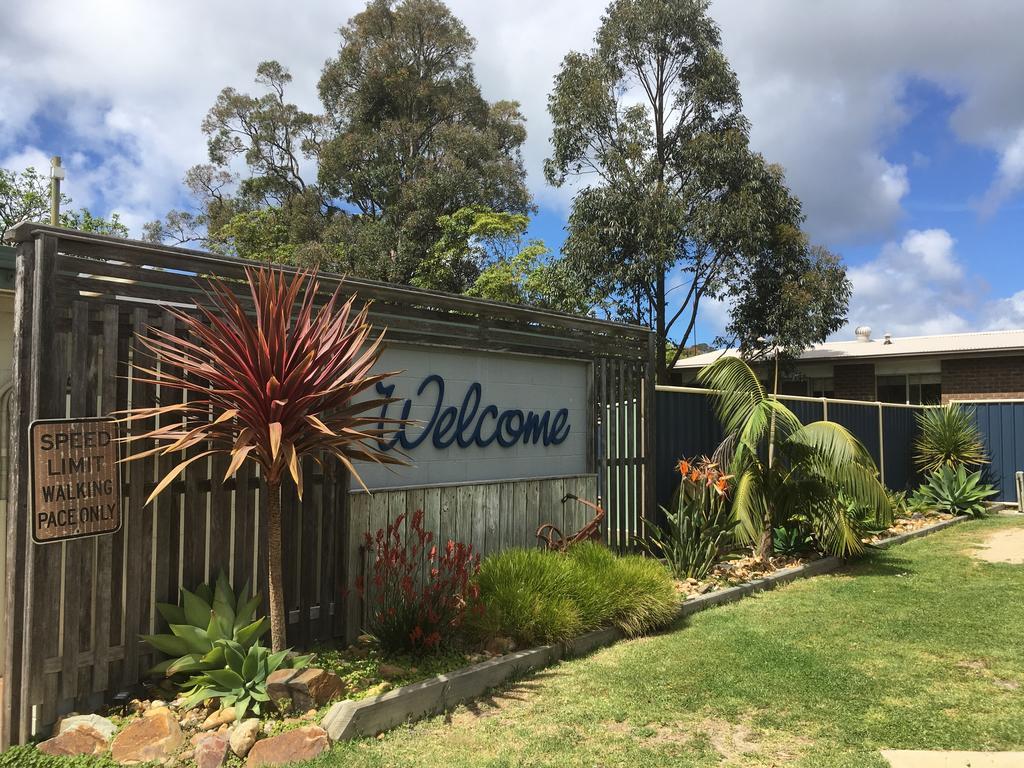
{"x":525,"y":596}
{"x":536,"y":596}
{"x":242,"y":682}
{"x":955,"y":491}
{"x":211,"y":613}
{"x":948,"y":437}
{"x":791,"y":540}
{"x":698,"y":529}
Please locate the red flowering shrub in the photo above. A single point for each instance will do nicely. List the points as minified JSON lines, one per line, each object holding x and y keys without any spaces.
{"x":417,"y":596}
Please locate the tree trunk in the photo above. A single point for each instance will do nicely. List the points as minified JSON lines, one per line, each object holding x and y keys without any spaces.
{"x":275,"y":588}
{"x":661,"y":365}
{"x":766,"y":545}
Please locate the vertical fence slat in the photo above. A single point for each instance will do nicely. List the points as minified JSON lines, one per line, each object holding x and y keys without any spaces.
{"x":139,"y":528}
{"x":104,"y":544}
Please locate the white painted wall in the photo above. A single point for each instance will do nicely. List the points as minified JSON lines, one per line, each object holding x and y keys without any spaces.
{"x":508,"y":382}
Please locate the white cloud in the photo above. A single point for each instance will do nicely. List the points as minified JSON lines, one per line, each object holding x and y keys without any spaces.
{"x":1004,"y":314}
{"x":823,"y":84}
{"x":914,"y":286}
{"x":1009,"y":176}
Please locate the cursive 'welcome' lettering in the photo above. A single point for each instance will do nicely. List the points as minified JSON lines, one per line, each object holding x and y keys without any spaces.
{"x":469,"y":424}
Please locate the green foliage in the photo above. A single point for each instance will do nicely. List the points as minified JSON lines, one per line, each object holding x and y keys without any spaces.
{"x":25,"y":196}
{"x":198,"y":624}
{"x":818,"y":470}
{"x":28,"y":756}
{"x":791,"y":540}
{"x":954,"y":490}
{"x":697,"y":530}
{"x":670,"y":185}
{"x":242,"y":681}
{"x":404,"y":139}
{"x":538,"y":596}
{"x":947,"y":437}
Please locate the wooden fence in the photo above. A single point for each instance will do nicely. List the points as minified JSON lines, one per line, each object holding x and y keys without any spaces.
{"x":76,"y":609}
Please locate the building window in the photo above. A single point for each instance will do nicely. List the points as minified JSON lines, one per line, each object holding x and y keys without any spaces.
{"x":910,"y":388}
{"x":822,"y":387}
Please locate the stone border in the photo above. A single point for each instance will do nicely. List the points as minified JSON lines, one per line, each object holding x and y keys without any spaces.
{"x":367,"y":717}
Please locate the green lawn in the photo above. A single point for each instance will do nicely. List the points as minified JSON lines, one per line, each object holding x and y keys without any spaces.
{"x":918,"y":647}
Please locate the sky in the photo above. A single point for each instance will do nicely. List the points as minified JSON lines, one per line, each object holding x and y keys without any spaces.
{"x":900,"y":125}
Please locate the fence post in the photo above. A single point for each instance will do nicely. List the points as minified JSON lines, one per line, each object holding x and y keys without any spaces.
{"x":17,"y":516}
{"x":881,"y":443}
{"x":824,"y":409}
{"x":651,"y":424}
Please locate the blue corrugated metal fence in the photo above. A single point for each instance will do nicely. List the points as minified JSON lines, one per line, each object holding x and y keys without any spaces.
{"x":687,"y":427}
{"x":1002,"y":426}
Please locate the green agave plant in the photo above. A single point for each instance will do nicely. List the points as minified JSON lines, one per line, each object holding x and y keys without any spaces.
{"x":242,"y":682}
{"x":210,"y":614}
{"x":955,"y":491}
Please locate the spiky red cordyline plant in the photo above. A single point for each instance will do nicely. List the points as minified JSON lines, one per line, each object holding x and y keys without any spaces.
{"x":271,"y":385}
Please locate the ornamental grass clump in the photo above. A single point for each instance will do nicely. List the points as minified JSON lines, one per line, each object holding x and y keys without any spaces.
{"x":418,"y":595}
{"x":948,"y":437}
{"x":537,"y":596}
{"x":273,"y":378}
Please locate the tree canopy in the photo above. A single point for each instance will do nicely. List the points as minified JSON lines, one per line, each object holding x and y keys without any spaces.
{"x":25,"y":196}
{"x":649,"y":123}
{"x":405,"y":139}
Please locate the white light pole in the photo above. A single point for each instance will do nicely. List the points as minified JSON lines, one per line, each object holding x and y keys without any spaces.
{"x":56,"y":176}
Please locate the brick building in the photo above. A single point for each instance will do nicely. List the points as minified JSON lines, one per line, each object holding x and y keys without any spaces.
{"x":911,"y":369}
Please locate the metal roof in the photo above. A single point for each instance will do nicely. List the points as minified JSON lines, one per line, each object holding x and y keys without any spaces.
{"x":894,"y":346}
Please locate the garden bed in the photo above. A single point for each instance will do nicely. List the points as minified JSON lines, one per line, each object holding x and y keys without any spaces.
{"x":382,"y":692}
{"x":351,"y":719}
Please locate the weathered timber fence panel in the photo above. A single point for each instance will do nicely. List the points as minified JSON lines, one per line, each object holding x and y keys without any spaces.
{"x":76,"y":609}
{"x":468,"y":513}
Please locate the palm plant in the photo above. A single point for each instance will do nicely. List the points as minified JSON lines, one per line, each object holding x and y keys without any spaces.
{"x":272,"y":384}
{"x":948,"y":437}
{"x":784,"y":469}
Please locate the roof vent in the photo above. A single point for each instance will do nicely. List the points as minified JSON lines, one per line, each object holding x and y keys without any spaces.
{"x":863,"y":333}
{"x":888,"y":338}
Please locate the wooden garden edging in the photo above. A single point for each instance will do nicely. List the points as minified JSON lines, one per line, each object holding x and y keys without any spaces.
{"x":368,"y":717}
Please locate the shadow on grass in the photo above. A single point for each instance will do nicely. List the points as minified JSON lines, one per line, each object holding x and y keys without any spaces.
{"x":497,"y":699}
{"x":878,"y":563}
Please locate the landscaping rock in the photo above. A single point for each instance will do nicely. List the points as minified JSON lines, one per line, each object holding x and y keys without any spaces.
{"x":217,"y":719}
{"x":211,"y":751}
{"x":313,"y":688}
{"x":154,"y":737}
{"x":366,"y":640}
{"x":277,"y":684}
{"x":389,"y":672}
{"x":244,"y":736}
{"x":106,"y":728}
{"x":499,"y":646}
{"x":80,"y":740}
{"x":291,"y":746}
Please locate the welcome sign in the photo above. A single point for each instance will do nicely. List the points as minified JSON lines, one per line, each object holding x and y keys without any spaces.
{"x":478,"y":416}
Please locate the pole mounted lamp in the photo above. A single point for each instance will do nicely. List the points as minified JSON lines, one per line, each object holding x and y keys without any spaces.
{"x":56,"y":176}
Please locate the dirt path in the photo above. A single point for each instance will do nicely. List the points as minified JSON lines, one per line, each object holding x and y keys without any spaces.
{"x":1005,"y":546}
{"x":900,"y":758}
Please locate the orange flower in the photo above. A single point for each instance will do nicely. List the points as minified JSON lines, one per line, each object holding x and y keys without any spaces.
{"x":694,"y":475}
{"x":684,"y":467}
{"x":722,"y":484}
